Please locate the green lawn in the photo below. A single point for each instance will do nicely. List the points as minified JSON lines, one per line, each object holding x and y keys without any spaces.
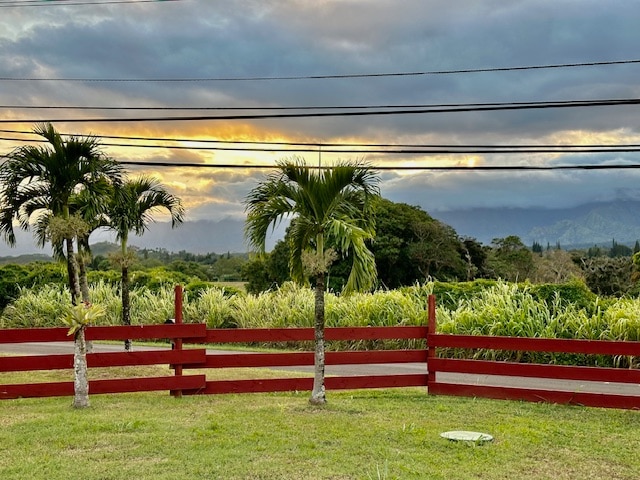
{"x":359,"y":435}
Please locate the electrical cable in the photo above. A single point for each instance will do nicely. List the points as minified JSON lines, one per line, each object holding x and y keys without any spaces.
{"x":320,"y":107}
{"x":51,"y":3}
{"x":398,"y":167}
{"x":360,"y":113}
{"x":330,"y":76}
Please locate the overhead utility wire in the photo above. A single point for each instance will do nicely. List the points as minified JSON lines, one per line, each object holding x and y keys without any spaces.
{"x":312,"y":144}
{"x":323,"y":77}
{"x":388,"y":148}
{"x":51,"y":3}
{"x":310,"y":107}
{"x":397,"y":167}
{"x":528,"y":106}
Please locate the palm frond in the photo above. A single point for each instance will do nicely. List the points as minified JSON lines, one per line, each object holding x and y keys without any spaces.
{"x":332,"y":203}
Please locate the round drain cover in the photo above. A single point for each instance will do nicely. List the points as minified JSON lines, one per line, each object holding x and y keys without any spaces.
{"x":463,"y":436}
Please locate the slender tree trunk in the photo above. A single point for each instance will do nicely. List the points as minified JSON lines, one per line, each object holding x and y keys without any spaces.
{"x":318,"y":395}
{"x":84,"y":288}
{"x":72,"y":269}
{"x":80,"y":377}
{"x":126,"y":307}
{"x":84,"y":282}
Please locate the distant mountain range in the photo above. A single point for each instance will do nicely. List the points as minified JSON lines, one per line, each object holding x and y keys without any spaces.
{"x":577,"y":227}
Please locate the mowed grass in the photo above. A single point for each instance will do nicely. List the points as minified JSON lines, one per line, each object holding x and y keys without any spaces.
{"x":373,"y":434}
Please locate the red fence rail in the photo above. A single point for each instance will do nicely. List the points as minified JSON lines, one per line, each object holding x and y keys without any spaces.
{"x":541,"y":371}
{"x":292,"y":359}
{"x":189,"y":359}
{"x":113,"y":359}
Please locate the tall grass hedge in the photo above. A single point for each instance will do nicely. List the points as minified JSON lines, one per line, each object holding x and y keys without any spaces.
{"x":478,"y":308}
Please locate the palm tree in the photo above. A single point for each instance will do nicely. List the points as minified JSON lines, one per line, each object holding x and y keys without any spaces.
{"x":36,"y":181}
{"x":130,"y":209}
{"x":88,"y":209}
{"x":331,"y":211}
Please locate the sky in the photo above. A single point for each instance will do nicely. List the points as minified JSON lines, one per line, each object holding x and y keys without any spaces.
{"x":244,"y":54}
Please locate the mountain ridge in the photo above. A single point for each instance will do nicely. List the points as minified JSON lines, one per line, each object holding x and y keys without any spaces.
{"x":577,"y":227}
{"x":583,"y":226}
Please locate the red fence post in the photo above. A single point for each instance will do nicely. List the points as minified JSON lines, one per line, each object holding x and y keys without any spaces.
{"x":431,"y":349}
{"x":178,"y":341}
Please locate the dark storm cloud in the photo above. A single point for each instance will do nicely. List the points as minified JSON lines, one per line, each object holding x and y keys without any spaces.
{"x":214,"y":39}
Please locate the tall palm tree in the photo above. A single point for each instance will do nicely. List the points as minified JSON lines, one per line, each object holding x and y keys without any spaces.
{"x":130,"y":209}
{"x":88,"y":209}
{"x":36,"y":181}
{"x":331,"y":212}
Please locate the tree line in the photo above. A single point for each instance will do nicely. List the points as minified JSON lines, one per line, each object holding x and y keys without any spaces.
{"x":412,"y":247}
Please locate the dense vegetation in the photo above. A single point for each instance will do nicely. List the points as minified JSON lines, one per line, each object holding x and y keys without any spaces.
{"x":482,"y":307}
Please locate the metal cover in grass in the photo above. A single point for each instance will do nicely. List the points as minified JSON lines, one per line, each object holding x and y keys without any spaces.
{"x":464,"y":436}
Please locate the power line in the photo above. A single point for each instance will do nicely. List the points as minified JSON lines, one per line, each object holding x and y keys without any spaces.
{"x":313,"y":107}
{"x":455,"y":109}
{"x":51,"y":3}
{"x":390,"y":148}
{"x":325,"y":76}
{"x":399,"y":167}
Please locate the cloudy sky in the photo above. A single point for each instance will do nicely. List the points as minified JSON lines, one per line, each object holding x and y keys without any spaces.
{"x":241,"y":54}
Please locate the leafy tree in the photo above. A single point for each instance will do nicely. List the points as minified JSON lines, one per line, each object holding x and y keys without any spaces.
{"x":410,"y":245}
{"x":537,"y":248}
{"x":332,"y":208}
{"x":609,"y":276}
{"x":619,"y":250}
{"x":555,"y":266}
{"x":131,"y":209}
{"x":41,"y":180}
{"x":510,"y":259}
{"x":475,"y":257}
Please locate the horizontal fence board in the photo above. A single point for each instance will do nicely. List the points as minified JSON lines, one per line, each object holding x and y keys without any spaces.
{"x":533,"y":395}
{"x":233,"y":360}
{"x":254,"y":386}
{"x":111,"y":359}
{"x":306,"y":384}
{"x":239,"y":360}
{"x":562,"y":345}
{"x":145,"y":332}
{"x":534,"y":370}
{"x":375,"y":333}
{"x":22,"y":335}
{"x":126,"y":385}
{"x":147,"y":384}
{"x":376,"y":381}
{"x":36,"y":390}
{"x":249,"y":335}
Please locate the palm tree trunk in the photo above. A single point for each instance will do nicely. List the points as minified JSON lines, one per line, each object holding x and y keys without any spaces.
{"x":318,"y":396}
{"x":80,"y":377}
{"x":72,"y":269}
{"x":84,"y":288}
{"x":126,"y":306}
{"x":84,"y":282}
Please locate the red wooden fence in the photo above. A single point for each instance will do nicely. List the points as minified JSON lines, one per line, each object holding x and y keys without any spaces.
{"x":114,"y":359}
{"x":226,"y":336}
{"x":512,"y":369}
{"x":180,"y":358}
{"x":185,"y":359}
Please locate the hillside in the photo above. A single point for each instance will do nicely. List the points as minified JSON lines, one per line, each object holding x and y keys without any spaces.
{"x":585,"y":225}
